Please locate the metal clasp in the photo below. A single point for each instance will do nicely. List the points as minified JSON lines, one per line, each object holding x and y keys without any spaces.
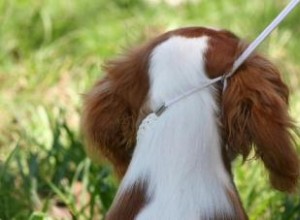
{"x":160,"y":110}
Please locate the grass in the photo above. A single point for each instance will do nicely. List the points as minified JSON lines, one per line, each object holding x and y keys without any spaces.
{"x":51,"y":53}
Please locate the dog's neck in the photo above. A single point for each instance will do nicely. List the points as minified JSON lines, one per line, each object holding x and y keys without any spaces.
{"x":177,"y":169}
{"x":179,"y":156}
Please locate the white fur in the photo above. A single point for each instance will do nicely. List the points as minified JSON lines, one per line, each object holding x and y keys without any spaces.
{"x":179,"y":154}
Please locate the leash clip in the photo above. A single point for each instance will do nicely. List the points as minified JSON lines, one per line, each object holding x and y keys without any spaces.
{"x":161,"y":110}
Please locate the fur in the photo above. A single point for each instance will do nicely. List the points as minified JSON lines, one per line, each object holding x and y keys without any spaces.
{"x":177,"y":165}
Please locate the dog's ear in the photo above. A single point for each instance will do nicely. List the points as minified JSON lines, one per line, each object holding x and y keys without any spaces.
{"x":111,"y":109}
{"x":255,"y":111}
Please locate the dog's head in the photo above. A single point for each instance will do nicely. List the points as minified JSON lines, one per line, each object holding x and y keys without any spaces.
{"x":254,"y":106}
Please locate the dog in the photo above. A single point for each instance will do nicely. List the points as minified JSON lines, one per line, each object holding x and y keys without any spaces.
{"x":177,"y":164}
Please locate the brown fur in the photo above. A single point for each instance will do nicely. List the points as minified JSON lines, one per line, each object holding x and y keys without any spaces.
{"x":255,"y":111}
{"x":221,"y":53}
{"x":256,"y":114}
{"x":129,"y":204}
{"x":237,"y":205}
{"x":112,"y":108}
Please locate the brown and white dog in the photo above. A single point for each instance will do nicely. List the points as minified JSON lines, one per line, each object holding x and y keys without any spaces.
{"x":177,"y":165}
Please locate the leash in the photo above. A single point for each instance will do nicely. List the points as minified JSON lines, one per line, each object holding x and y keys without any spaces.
{"x":238,"y":62}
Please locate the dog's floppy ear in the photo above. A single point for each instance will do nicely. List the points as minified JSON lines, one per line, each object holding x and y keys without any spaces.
{"x":256,"y":114}
{"x":111,"y":109}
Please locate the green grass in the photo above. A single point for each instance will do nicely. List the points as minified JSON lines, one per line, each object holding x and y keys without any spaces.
{"x":51,"y":53}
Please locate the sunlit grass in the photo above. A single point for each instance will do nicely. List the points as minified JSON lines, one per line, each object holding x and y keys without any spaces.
{"x":51,"y":53}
